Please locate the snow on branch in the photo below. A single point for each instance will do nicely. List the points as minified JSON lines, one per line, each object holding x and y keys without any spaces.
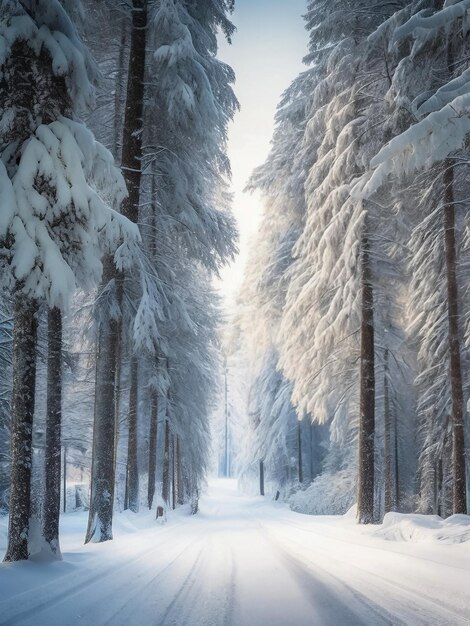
{"x":61,"y":218}
{"x":50,"y":29}
{"x":429,"y":141}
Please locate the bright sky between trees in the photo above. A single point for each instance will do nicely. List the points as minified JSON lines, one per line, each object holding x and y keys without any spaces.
{"x":266,"y":53}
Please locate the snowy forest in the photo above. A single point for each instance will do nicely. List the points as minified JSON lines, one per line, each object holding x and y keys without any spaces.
{"x":338,"y":381}
{"x":351,"y":332}
{"x":108,"y":316}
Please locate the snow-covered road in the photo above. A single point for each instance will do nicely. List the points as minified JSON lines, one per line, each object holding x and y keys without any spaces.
{"x":242,"y":561}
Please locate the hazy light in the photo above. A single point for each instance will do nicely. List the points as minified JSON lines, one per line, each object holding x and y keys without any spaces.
{"x":266,"y":55}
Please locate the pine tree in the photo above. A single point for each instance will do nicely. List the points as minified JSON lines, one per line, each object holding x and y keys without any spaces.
{"x":57,"y":224}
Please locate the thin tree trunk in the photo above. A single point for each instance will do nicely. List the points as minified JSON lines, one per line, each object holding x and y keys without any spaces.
{"x":299,"y":447}
{"x":387,"y":439}
{"x":458,"y":443}
{"x":131,"y":163}
{"x":397,"y":466}
{"x":261,"y":478}
{"x":117,"y":389}
{"x":152,"y":461}
{"x":367,"y":393}
{"x":132,"y":461}
{"x":312,"y":472}
{"x":100,"y":517}
{"x":51,"y":503}
{"x":64,"y":490}
{"x":23,"y":398}
{"x":103,"y":462}
{"x":133,"y":120}
{"x":179,"y":482}
{"x":166,"y":465}
{"x":120,"y":89}
{"x":173,"y":473}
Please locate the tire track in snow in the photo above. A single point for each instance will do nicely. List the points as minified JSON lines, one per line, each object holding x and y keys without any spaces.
{"x":126,"y":611}
{"x":230,"y":602}
{"x":326,"y":593}
{"x":176,"y":612}
{"x":427,"y":609}
{"x":31,"y":605}
{"x":206,"y":595}
{"x":332,"y":595}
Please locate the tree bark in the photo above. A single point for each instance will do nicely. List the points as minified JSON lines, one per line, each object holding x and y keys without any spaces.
{"x":120,"y":90}
{"x":261,"y":478}
{"x":133,"y":118}
{"x":397,"y":466}
{"x":132,"y":461}
{"x":51,"y":504}
{"x":458,"y":443}
{"x":100,"y":517}
{"x":365,"y":511}
{"x":152,"y":461}
{"x":64,"y":486}
{"x":387,"y":439}
{"x":179,"y":482}
{"x":23,"y":398}
{"x":173,"y":473}
{"x":312,"y":458}
{"x":166,"y":465}
{"x":299,"y":447}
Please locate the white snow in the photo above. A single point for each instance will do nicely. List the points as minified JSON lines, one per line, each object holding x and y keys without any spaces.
{"x":247,"y":561}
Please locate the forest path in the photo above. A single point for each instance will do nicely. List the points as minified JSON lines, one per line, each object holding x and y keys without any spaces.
{"x":243,"y":562}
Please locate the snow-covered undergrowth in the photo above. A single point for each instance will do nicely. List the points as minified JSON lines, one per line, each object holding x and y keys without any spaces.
{"x":336,"y":505}
{"x":424,"y":528}
{"x":329,"y":494}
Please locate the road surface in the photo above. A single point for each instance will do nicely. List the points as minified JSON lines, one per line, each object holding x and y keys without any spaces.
{"x":242,"y":562}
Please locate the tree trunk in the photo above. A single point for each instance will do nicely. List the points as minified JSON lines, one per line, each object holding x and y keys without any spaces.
{"x":64,"y":489}
{"x":299,"y":446}
{"x":152,"y":461}
{"x":397,"y":466}
{"x":312,"y":458}
{"x":387,"y":440}
{"x":103,"y":463}
{"x":120,"y":90}
{"x":132,"y":461}
{"x":133,"y":119}
{"x":166,"y":465}
{"x":179,"y":482}
{"x":51,"y":504}
{"x":261,"y":478}
{"x":365,"y":511}
{"x":173,"y":473}
{"x":23,"y":397}
{"x":100,"y":517}
{"x":118,"y":386}
{"x":458,"y":443}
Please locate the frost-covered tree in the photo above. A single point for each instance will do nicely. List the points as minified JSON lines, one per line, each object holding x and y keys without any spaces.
{"x":110,"y":320}
{"x":187,"y":226}
{"x":176,"y":169}
{"x":328,"y":274}
{"x":438,"y":100}
{"x":60,"y":189}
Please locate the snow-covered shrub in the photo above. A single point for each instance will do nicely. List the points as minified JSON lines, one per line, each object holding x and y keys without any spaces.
{"x":329,"y":494}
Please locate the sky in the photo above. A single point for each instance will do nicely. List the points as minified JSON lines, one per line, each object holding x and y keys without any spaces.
{"x":266,"y":54}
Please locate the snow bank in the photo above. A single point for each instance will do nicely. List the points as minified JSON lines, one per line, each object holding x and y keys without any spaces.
{"x":73,"y":526}
{"x":334,"y":495}
{"x":424,"y":528}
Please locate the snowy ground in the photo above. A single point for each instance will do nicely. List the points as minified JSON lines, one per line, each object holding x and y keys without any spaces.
{"x":246,"y":561}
